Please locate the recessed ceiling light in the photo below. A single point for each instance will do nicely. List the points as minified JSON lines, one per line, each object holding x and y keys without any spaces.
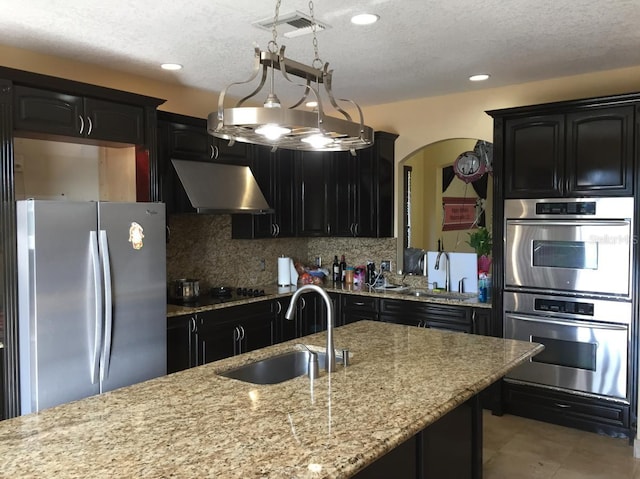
{"x":479,"y":77}
{"x":364,"y":19}
{"x":171,"y":66}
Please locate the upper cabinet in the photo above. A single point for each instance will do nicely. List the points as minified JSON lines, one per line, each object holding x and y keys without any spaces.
{"x":56,"y":113}
{"x":185,"y":138}
{"x":338,"y":194}
{"x":568,"y":152}
{"x":311,"y":193}
{"x":274,"y":173}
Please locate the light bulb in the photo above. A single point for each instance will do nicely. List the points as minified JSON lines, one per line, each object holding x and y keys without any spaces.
{"x":272,"y":131}
{"x":317,"y":140}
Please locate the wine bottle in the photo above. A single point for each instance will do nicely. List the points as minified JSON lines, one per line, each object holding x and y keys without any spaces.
{"x":343,"y":267}
{"x":336,"y":270}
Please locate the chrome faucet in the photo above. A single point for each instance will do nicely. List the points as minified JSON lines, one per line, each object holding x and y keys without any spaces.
{"x":330,"y":365}
{"x":447,"y":270}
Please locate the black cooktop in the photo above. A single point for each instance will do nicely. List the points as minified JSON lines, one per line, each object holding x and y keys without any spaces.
{"x":218,"y":295}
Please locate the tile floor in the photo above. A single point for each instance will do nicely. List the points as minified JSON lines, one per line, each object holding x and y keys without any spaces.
{"x":519,"y":448}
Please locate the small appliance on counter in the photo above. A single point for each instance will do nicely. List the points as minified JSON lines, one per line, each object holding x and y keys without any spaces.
{"x":184,"y":290}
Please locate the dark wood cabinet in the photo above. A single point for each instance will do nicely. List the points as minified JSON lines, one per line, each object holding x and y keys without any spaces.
{"x":427,"y":315}
{"x":238,"y":329}
{"x":585,"y":152}
{"x":51,"y":112}
{"x":274,"y":172}
{"x":600,"y":149}
{"x":355,"y":307}
{"x":450,"y":448}
{"x":571,"y":410}
{"x":183,"y":137}
{"x":181,"y":347}
{"x":534,"y":153}
{"x":313,"y":177}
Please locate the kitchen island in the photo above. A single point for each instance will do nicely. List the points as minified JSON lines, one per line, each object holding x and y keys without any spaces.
{"x":196,"y":423}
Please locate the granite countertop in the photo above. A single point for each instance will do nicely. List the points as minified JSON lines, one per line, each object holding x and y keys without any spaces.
{"x":196,"y":423}
{"x":274,"y":292}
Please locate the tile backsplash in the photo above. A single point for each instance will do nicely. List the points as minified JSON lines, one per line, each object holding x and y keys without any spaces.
{"x":200,"y":246}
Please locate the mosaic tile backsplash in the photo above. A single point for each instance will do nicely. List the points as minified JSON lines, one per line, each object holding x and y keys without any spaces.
{"x":200,"y":247}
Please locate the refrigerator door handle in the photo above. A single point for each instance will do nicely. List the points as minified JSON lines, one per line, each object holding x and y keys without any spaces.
{"x":108,"y":306}
{"x":97,"y":284}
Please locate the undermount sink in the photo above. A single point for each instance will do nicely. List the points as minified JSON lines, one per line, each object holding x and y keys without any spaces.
{"x":437,"y":294}
{"x":396,"y":288}
{"x":277,"y":369}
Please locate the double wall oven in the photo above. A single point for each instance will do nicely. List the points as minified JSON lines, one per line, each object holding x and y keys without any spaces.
{"x":567,"y":285}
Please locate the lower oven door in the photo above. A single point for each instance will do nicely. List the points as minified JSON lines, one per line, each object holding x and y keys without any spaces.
{"x":580,"y":356}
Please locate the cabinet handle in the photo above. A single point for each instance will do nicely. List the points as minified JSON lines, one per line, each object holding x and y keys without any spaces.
{"x":242,"y":329}
{"x":279,"y":307}
{"x":90,"y":126}
{"x":329,"y":228}
{"x":355,"y":229}
{"x":358,"y":303}
{"x":563,"y":406}
{"x":81,"y":123}
{"x":216,"y":152}
{"x":277,"y":229}
{"x":211,"y":155}
{"x":236,"y":334}
{"x":303,"y":304}
{"x":192,"y":325}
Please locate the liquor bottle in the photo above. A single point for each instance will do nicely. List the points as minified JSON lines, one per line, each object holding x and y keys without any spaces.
{"x":343,"y":267}
{"x":336,"y":270}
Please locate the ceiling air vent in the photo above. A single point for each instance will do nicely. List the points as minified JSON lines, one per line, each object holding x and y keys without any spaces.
{"x":292,"y":24}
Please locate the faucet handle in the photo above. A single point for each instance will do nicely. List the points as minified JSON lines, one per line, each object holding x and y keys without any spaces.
{"x":313,"y":367}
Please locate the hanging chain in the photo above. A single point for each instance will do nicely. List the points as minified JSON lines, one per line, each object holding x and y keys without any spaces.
{"x":273,"y":44}
{"x":317,"y":63}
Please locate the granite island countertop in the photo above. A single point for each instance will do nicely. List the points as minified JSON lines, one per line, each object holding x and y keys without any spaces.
{"x":196,"y":423}
{"x":275,"y":292}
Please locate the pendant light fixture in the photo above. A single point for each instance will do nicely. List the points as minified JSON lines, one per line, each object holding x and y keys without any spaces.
{"x":298,"y":127}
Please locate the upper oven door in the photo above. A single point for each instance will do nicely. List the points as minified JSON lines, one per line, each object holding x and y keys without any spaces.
{"x":576,"y":256}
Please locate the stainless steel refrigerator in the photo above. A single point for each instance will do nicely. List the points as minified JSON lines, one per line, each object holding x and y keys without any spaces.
{"x":91,"y":298}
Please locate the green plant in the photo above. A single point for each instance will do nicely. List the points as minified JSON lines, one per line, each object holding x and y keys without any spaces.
{"x":481,"y":242}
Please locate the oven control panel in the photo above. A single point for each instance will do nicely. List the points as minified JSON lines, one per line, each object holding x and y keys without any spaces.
{"x":559,"y":306}
{"x":566,"y":208}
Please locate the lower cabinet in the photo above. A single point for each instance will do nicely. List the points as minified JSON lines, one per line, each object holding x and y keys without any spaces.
{"x":355,"y":307}
{"x":212,"y":335}
{"x":238,"y":329}
{"x":580,"y":412}
{"x":436,"y":316}
{"x":450,"y":448}
{"x":181,"y":347}
{"x":208,"y":336}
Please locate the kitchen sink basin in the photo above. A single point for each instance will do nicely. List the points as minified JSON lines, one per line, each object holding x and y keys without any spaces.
{"x":277,"y":369}
{"x":396,"y":288}
{"x":437,"y":294}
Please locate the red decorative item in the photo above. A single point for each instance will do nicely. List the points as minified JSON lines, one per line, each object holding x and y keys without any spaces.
{"x":484,"y":264}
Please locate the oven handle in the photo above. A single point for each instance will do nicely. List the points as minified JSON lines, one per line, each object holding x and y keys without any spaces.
{"x":615,"y":327}
{"x":569,"y":223}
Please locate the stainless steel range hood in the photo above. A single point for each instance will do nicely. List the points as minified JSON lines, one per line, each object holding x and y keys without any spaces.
{"x":217,"y":188}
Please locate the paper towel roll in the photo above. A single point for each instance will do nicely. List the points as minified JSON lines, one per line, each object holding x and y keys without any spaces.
{"x":293,"y":278}
{"x":284,"y":271}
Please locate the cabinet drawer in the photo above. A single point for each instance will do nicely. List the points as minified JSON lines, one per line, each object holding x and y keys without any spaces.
{"x":589,"y":414}
{"x":359,"y":303}
{"x":430,"y":311}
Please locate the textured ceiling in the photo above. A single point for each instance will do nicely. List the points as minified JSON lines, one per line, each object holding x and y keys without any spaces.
{"x":418,"y":48}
